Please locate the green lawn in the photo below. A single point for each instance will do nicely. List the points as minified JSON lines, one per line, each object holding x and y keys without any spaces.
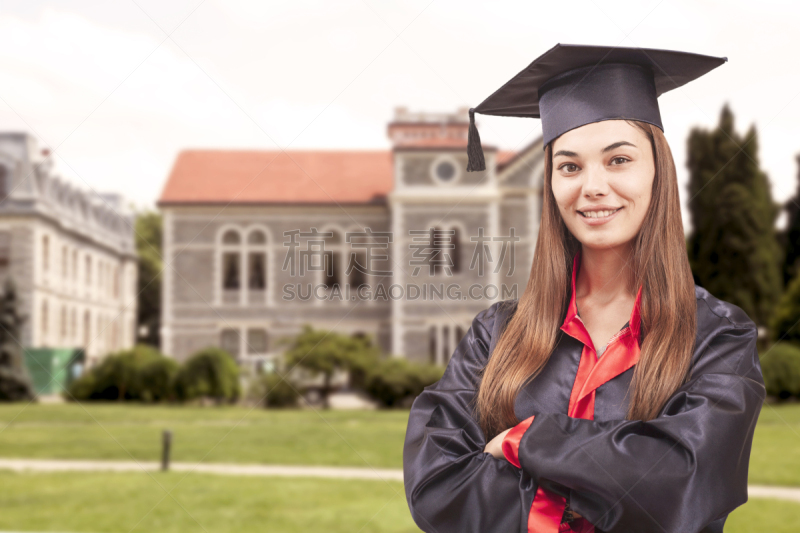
{"x":227,"y":434}
{"x":136,"y":502}
{"x":237,"y":434}
{"x":128,"y":502}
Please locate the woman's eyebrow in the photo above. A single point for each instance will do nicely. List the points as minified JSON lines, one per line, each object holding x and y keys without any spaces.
{"x":608,"y":148}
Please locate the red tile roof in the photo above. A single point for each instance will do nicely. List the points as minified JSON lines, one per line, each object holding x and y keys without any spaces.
{"x":295,"y":176}
{"x":504,"y":156}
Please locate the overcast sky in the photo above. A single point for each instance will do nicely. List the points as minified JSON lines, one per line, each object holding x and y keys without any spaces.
{"x":118,"y":88}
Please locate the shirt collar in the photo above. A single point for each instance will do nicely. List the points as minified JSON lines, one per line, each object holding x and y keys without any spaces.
{"x":572,"y":320}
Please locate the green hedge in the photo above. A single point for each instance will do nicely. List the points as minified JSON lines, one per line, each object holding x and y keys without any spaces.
{"x":211,"y":372}
{"x":395,"y":382}
{"x":272,"y":390}
{"x":141,"y":373}
{"x":780,"y":366}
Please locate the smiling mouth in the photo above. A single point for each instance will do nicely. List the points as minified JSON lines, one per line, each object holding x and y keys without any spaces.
{"x":598,"y":214}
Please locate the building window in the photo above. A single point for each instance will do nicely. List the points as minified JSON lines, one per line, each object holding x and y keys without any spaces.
{"x":442,"y":342}
{"x":63,"y":329}
{"x":231,"y":260}
{"x":75,"y":265}
{"x":256,"y":278}
{"x":257,"y":260}
{"x":100,"y":329}
{"x":73,"y":324}
{"x":45,"y":253}
{"x":5,"y":247}
{"x":64,"y":262}
{"x":45,"y":319}
{"x":230,"y":268}
{"x":332,"y":271}
{"x":88,"y":270}
{"x":114,"y":335}
{"x":116,"y":281}
{"x":4,"y":183}
{"x":256,"y":341}
{"x":446,"y":250}
{"x":229,"y":341}
{"x":87,"y":328}
{"x":445,"y":171}
{"x":357,"y":270}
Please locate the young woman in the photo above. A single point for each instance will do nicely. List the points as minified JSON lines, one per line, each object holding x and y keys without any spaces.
{"x":614,"y":395}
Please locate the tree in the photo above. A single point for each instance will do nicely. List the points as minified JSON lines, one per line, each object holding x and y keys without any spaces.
{"x":149,"y":229}
{"x":790,"y":238}
{"x":733,"y":249}
{"x":15,"y":382}
{"x":323,"y":352}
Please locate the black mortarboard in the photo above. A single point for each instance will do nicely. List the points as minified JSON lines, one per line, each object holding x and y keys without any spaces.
{"x":571,"y":85}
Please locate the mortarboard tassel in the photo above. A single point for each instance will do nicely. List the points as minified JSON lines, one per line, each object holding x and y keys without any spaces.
{"x":474,"y":150}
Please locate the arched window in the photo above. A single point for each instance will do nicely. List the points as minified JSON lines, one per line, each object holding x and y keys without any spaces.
{"x":257,"y":261}
{"x":332,"y":274}
{"x":231,"y":261}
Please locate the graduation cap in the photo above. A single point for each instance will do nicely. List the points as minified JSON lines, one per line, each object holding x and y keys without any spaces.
{"x":571,"y":85}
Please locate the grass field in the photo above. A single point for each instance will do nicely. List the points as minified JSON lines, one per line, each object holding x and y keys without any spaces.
{"x":335,"y":438}
{"x":127,"y":502}
{"x":137,"y":502}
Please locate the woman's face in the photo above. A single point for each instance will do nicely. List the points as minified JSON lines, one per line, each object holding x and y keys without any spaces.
{"x":607,"y":165}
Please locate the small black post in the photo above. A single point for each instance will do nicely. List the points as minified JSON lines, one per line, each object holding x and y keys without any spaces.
{"x":166,"y":442}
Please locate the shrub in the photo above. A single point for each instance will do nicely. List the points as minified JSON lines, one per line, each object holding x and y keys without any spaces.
{"x":272,"y":392}
{"x":211,"y":372}
{"x":140,"y":373}
{"x":787,"y":313}
{"x":781,"y":369}
{"x":396,"y":382}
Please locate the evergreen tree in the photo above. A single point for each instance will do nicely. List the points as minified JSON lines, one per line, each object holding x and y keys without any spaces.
{"x":15,"y":382}
{"x":148,"y":248}
{"x":790,"y":238}
{"x":733,"y":248}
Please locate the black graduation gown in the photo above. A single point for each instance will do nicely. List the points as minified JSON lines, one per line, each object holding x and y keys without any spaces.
{"x":682,"y":472}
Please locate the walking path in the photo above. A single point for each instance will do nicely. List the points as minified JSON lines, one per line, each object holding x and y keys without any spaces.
{"x":232,"y":469}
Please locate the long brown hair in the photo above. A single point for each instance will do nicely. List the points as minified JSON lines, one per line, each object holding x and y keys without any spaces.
{"x":668,"y":306}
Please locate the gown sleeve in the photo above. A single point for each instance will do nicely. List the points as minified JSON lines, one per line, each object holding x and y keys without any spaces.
{"x":675,"y":473}
{"x":451,"y":484}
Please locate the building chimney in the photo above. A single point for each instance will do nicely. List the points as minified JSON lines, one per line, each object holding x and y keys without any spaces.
{"x":429,"y":130}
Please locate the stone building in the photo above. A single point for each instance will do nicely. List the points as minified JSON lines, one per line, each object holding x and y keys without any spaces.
{"x":258,"y":243}
{"x":70,"y":253}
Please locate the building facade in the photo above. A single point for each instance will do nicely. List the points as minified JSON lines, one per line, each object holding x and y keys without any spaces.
{"x":70,"y":254}
{"x":258,"y":243}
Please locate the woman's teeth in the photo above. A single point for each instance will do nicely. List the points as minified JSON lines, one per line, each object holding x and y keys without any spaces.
{"x":599,"y":214}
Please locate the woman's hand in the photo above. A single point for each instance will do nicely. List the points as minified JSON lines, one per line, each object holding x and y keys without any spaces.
{"x":494,"y":446}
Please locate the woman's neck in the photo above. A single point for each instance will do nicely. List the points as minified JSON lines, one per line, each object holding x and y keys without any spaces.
{"x":603,"y":274}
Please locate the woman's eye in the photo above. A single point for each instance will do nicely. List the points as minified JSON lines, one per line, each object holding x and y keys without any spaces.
{"x":620,"y":158}
{"x":565,"y":165}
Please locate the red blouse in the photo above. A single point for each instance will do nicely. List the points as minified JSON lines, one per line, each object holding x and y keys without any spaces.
{"x":621,"y":353}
